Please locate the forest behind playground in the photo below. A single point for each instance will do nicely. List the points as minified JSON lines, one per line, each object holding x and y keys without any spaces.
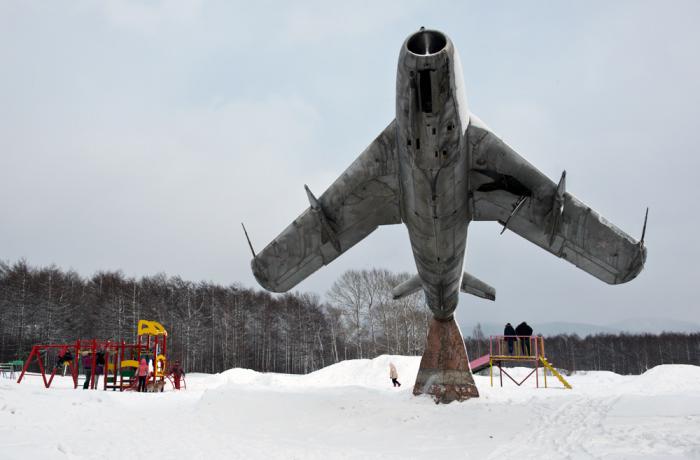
{"x":213,"y":327}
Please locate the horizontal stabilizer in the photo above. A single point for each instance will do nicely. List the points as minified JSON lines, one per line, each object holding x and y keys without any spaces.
{"x":408,"y":287}
{"x":473,"y":285}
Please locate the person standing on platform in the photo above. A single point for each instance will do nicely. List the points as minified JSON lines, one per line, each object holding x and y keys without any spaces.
{"x":509,"y":333}
{"x":394,"y":375}
{"x":524,"y":331}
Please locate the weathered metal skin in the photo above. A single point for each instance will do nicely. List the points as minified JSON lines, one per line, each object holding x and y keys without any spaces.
{"x":431,"y":123}
{"x":436,"y":168}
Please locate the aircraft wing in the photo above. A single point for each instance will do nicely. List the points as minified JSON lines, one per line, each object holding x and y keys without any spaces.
{"x":365,"y":196}
{"x":508,"y":189}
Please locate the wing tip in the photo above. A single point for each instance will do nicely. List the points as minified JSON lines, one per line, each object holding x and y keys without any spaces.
{"x":635,"y":268}
{"x":259,"y":272}
{"x":638,"y":264}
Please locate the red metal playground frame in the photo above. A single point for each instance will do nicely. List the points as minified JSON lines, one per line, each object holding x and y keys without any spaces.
{"x":151,"y":342}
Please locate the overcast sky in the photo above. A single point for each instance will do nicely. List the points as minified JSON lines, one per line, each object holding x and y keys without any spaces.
{"x":138,"y":135}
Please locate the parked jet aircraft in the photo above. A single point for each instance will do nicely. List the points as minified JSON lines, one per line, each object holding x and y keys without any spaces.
{"x":435,"y":168}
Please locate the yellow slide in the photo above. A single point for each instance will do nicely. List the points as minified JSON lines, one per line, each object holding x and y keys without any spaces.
{"x":554,"y":372}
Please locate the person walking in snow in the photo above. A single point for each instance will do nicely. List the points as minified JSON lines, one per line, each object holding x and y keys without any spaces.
{"x":525,"y":332}
{"x":394,"y":375}
{"x":509,"y":332}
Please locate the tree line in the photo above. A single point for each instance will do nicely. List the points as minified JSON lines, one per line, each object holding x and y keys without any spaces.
{"x":213,"y":327}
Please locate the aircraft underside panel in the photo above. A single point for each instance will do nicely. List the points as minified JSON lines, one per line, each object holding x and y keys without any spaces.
{"x":508,"y":189}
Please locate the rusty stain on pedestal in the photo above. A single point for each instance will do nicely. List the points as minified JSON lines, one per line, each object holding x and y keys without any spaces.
{"x":444,"y":369}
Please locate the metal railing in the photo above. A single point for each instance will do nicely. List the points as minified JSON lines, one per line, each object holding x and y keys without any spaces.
{"x":517,"y":346}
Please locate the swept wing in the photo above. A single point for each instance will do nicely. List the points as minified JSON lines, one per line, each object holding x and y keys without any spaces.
{"x":506,"y":188}
{"x":365,"y":196}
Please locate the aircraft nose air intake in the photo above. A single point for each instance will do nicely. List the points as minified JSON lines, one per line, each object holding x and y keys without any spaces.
{"x":426,"y":42}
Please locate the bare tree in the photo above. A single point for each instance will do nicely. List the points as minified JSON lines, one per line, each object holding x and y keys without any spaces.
{"x":349,"y":293}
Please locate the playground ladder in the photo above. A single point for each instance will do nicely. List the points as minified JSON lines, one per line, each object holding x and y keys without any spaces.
{"x":554,"y":372}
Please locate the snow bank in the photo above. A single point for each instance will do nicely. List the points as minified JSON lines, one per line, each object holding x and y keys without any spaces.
{"x":369,"y":373}
{"x":350,"y":410}
{"x":669,"y":378}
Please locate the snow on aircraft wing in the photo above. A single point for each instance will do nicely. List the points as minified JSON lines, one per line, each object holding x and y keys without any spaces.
{"x":365,"y":196}
{"x":508,"y":189}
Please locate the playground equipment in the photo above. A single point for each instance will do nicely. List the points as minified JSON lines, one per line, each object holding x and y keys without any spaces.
{"x":8,"y":369}
{"x":520,"y":349}
{"x":121,"y":359}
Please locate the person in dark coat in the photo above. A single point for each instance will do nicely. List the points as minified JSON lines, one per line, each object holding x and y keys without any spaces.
{"x":525,"y":331}
{"x":64,"y":358}
{"x":99,"y":365}
{"x":509,"y":332}
{"x":86,"y":361}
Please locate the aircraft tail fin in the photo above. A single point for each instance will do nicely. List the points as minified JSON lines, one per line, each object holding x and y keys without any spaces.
{"x":408,"y":287}
{"x":470,"y":285}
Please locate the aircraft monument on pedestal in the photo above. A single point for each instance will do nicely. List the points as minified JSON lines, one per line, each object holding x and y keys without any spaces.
{"x":435,"y":168}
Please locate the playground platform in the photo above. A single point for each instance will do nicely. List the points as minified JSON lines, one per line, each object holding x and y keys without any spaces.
{"x":526,"y":350}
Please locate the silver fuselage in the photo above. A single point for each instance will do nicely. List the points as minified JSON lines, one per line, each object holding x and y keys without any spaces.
{"x":431,"y":123}
{"x":436,"y":168}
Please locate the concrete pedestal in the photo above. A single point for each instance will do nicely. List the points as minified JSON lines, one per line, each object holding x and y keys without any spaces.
{"x":444,"y":369}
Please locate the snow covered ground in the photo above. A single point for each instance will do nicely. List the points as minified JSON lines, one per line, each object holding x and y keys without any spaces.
{"x":350,"y":410}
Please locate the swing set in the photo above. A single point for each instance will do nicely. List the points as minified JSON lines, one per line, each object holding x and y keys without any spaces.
{"x":119,"y":360}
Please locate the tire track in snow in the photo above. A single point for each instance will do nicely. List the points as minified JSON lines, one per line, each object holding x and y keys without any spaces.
{"x":581,"y":421}
{"x":561,"y":429}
